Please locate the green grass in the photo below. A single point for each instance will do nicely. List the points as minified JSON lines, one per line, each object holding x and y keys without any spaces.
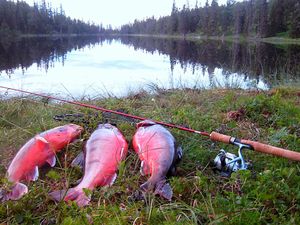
{"x":267,"y":194}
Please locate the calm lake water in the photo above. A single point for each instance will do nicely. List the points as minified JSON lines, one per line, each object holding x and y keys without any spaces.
{"x":100,"y":67}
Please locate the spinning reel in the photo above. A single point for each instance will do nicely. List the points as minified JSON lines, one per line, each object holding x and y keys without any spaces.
{"x":227,"y":163}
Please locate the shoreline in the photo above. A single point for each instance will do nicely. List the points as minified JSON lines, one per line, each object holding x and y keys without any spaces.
{"x":194,"y":37}
{"x":191,"y":37}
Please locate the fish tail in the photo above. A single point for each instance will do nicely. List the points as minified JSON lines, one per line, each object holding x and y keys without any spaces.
{"x":164,"y":190}
{"x":79,"y":196}
{"x":78,"y":161}
{"x":57,"y":196}
{"x":16,"y":192}
{"x":73,"y":194}
{"x":147,"y":186}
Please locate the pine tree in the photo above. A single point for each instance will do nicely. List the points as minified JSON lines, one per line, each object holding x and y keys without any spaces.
{"x":173,"y":20}
{"x":214,"y":17}
{"x":276,"y":17}
{"x":295,"y":22}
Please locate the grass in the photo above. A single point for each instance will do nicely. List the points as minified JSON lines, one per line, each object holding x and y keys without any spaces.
{"x":267,"y":194}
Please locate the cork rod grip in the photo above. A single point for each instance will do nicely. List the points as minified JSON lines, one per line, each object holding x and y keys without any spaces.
{"x":259,"y":147}
{"x":268,"y":149}
{"x":214,"y":136}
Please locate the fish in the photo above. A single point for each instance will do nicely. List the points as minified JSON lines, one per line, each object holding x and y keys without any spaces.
{"x":159,"y":155}
{"x":38,"y":151}
{"x":104,"y":151}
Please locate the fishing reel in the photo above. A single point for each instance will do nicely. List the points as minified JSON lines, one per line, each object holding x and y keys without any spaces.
{"x":227,"y":163}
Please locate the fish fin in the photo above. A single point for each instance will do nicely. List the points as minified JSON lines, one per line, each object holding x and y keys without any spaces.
{"x":72,"y":194}
{"x":164,"y":190}
{"x":57,"y":195}
{"x":33,"y":175}
{"x":177,"y":158}
{"x":79,"y":196}
{"x":78,"y":181}
{"x":110,"y":180}
{"x":41,"y":142}
{"x":172,"y":171}
{"x":145,"y":168}
{"x":39,"y":138}
{"x":179,"y":152}
{"x":17,"y":191}
{"x":147,"y":186}
{"x":78,"y":161}
{"x":51,"y":161}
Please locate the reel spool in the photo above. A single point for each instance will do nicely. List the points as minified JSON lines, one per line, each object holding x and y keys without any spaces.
{"x":227,"y":163}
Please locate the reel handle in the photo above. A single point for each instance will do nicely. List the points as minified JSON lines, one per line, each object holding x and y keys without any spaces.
{"x":260,"y":147}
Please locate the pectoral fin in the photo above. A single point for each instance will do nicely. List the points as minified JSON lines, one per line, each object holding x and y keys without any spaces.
{"x":145,"y":168}
{"x":51,"y":161}
{"x":33,"y":175}
{"x":78,"y":161}
{"x":41,"y":142}
{"x":111,"y":179}
{"x":179,"y":152}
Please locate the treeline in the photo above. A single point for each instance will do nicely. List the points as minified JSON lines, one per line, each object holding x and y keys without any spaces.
{"x":20,"y":18}
{"x":255,"y":18}
{"x":255,"y":61}
{"x":43,"y":51}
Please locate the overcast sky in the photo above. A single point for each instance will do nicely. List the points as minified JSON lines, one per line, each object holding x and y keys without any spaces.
{"x":118,"y":12}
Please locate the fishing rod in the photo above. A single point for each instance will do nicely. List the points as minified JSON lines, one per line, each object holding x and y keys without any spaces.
{"x":107,"y":110}
{"x":223,"y":161}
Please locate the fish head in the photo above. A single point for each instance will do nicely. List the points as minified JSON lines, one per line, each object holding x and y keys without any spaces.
{"x":105,"y":126}
{"x":145,"y":123}
{"x":63,"y":135}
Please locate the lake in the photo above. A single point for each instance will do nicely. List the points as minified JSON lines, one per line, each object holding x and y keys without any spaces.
{"x":93,"y":67}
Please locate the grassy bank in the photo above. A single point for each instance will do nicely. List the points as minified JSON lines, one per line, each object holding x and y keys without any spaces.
{"x":267,"y":194}
{"x":232,"y":38}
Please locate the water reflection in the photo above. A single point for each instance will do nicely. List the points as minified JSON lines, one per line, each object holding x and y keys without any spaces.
{"x":98,"y":66}
{"x":254,"y":60}
{"x":24,"y":52}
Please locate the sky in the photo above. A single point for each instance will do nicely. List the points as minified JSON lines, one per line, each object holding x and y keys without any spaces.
{"x":118,"y":12}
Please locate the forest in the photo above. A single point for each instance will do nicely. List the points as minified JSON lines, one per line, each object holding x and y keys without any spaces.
{"x":250,"y":18}
{"x":20,"y":18}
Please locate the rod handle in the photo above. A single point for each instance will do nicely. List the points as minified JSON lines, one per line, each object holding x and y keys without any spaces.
{"x":214,"y":136}
{"x":259,"y":147}
{"x":268,"y":149}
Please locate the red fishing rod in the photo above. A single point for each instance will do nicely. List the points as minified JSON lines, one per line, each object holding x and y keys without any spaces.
{"x":106,"y":110}
{"x":214,"y":136}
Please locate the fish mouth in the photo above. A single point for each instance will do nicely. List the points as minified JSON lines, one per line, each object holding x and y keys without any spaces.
{"x":78,"y":129}
{"x":106,"y":126}
{"x":145,"y":123}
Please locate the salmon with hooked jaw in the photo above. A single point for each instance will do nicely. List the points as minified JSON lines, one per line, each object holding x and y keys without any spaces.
{"x":104,"y":151}
{"x":159,"y":155}
{"x":35,"y":153}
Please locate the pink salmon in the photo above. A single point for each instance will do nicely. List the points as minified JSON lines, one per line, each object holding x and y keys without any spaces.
{"x":159,"y":155}
{"x":34,"y":154}
{"x":104,"y":151}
